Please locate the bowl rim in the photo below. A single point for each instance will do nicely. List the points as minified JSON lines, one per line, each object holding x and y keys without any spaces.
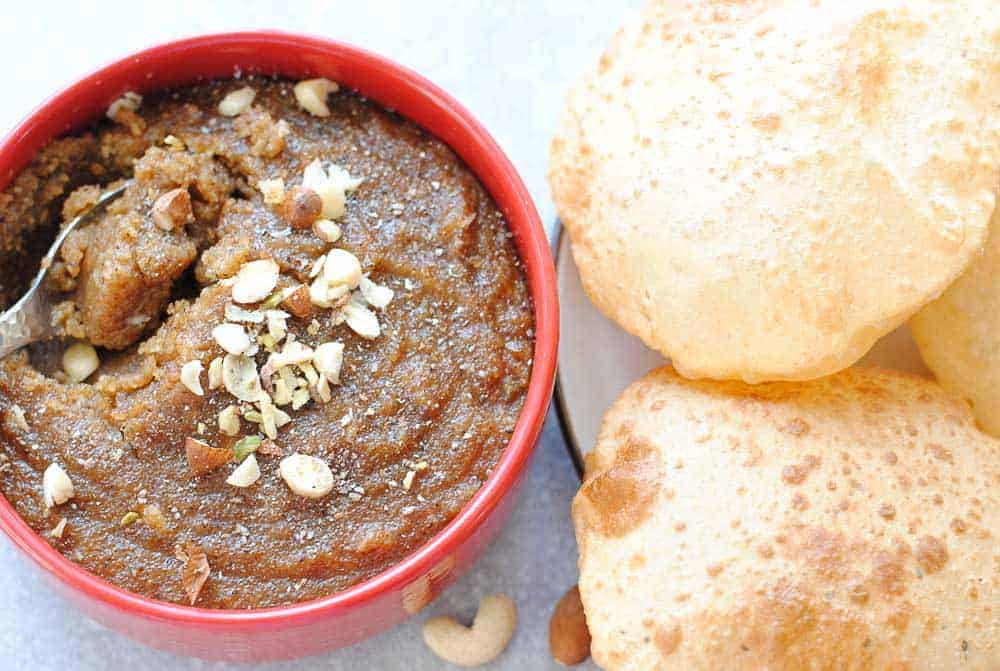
{"x":535,"y":254}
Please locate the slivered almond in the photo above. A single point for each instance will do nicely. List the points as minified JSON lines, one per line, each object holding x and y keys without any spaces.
{"x":298,"y":303}
{"x":255,"y":281}
{"x":326,"y":230}
{"x":245,"y":474}
{"x":231,"y":337}
{"x":342,"y":268}
{"x":202,"y":458}
{"x":235,"y":313}
{"x":362,"y":321}
{"x":375,"y":295}
{"x":239,"y":376}
{"x":328,"y":360}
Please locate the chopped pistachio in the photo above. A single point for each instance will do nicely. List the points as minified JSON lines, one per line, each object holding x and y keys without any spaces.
{"x":246,"y":446}
{"x":130,"y":518}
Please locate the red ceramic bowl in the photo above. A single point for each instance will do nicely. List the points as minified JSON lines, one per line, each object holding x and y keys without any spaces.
{"x":377,"y":604}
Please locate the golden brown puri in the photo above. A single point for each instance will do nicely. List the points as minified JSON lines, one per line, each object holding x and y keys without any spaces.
{"x":847,"y":523}
{"x":420,"y":416}
{"x":760,"y":190}
{"x":959,"y":334}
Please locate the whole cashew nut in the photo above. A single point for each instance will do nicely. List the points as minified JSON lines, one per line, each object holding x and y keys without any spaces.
{"x":481,"y":643}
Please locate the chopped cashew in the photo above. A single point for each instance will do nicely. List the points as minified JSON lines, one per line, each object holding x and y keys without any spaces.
{"x":215,"y":373}
{"x":57,"y":488}
{"x":326,"y":230}
{"x":237,"y":102}
{"x":332,"y":185}
{"x":328,"y":359}
{"x":273,"y":190}
{"x":229,"y":420}
{"x":479,"y":644}
{"x":342,"y":268}
{"x":312,"y":93}
{"x":306,"y":476}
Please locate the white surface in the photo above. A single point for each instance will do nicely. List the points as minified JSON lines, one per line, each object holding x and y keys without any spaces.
{"x":509,"y":62}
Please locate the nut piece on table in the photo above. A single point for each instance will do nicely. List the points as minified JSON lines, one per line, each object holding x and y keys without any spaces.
{"x":237,"y":102}
{"x":312,"y":93}
{"x":569,"y":637}
{"x":79,"y":361}
{"x":302,"y":206}
{"x":57,"y":488}
{"x":306,"y":476}
{"x":172,"y":211}
{"x":479,"y":644}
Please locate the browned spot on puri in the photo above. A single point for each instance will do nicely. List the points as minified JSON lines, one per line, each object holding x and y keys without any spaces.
{"x":940,"y":452}
{"x":796,"y":474}
{"x":889,"y":574}
{"x":768,"y":123}
{"x":931,"y":554}
{"x":621,"y":498}
{"x":714,"y":569}
{"x":886,"y":510}
{"x":799,"y":502}
{"x":668,"y":639}
{"x":958,"y":525}
{"x":796,"y":426}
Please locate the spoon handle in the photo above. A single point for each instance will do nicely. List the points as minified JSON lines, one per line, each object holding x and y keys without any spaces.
{"x":30,"y":318}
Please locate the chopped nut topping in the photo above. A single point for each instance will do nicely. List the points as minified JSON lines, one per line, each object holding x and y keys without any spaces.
{"x":237,"y":102}
{"x":245,"y":474}
{"x":79,"y":361}
{"x":231,"y":337}
{"x":191,"y":377}
{"x":317,"y":266}
{"x":239,"y":376}
{"x":16,"y":418}
{"x":195,"y":571}
{"x":298,"y":303}
{"x":255,"y":281}
{"x":312,"y":93}
{"x":277,"y":324}
{"x":332,"y":185}
{"x":246,"y":446}
{"x":273,"y":190}
{"x":57,"y":488}
{"x":375,"y":295}
{"x":172,"y":211}
{"x":408,"y":480}
{"x":306,"y":475}
{"x":328,"y":360}
{"x":130,"y":101}
{"x":235,"y":313}
{"x":322,"y":294}
{"x":154,"y":517}
{"x":59,"y":528}
{"x":301,"y":208}
{"x":362,"y":321}
{"x":326,"y":230}
{"x":215,"y":373}
{"x":229,"y":420}
{"x":130,"y":518}
{"x":342,"y":268}
{"x":174,"y":142}
{"x":202,"y":458}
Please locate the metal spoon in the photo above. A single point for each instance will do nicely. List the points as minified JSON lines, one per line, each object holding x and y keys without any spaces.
{"x":30,"y":319}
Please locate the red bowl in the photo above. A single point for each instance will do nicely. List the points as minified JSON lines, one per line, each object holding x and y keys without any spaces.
{"x":390,"y":597}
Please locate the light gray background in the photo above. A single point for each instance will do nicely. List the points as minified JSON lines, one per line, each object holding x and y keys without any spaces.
{"x":509,"y":63}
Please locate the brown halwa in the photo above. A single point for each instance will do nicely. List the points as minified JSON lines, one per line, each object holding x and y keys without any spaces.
{"x":430,"y":386}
